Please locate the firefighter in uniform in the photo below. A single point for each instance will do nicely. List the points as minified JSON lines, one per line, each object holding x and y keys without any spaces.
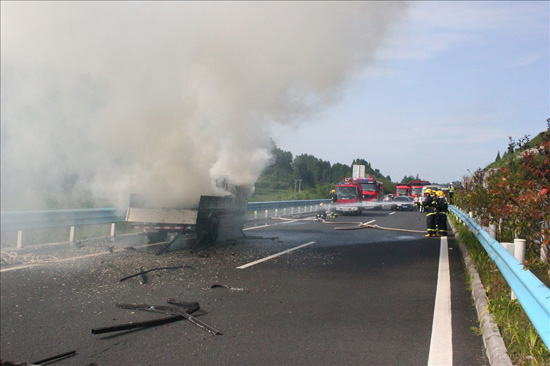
{"x":441,"y":213}
{"x":451,"y":193}
{"x":429,"y":206}
{"x":321,"y":212}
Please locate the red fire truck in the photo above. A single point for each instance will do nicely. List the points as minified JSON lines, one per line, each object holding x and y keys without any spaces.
{"x":371,"y":190}
{"x":402,"y":190}
{"x":349,"y":200}
{"x":415,"y":187}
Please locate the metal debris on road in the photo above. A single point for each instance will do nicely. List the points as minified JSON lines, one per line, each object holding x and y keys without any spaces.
{"x":55,"y":358}
{"x":142,"y":273}
{"x":173,"y":311}
{"x":182,"y":311}
{"x":217,"y":285}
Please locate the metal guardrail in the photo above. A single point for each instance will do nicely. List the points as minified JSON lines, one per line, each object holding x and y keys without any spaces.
{"x":19,"y":220}
{"x":272,"y":205}
{"x":533,"y":295}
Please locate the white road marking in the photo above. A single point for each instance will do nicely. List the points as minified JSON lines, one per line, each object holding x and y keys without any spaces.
{"x":266,"y":225}
{"x":391,"y":213}
{"x":441,"y":344}
{"x":275,"y":255}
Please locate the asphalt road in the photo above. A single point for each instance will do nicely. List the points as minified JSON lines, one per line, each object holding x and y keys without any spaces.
{"x":337,"y":297}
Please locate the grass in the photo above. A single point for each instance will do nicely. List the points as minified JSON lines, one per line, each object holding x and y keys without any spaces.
{"x":524,"y":345}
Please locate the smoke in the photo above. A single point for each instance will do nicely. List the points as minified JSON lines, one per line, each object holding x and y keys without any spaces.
{"x":101,"y":99}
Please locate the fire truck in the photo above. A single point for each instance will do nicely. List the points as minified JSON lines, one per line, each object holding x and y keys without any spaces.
{"x":349,"y":197}
{"x":415,"y":187}
{"x":402,"y":190}
{"x":371,"y":189}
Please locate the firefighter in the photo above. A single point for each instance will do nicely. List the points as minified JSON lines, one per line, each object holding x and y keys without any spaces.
{"x":451,"y":193}
{"x":441,"y":213}
{"x":333,"y":197}
{"x":429,"y":207}
{"x":321,"y":212}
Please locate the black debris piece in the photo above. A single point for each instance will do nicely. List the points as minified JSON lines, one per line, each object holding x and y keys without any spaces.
{"x":136,"y":325}
{"x":182,"y":311}
{"x":142,"y":273}
{"x":55,"y":358}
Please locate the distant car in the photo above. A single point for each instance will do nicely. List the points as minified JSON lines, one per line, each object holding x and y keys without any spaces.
{"x":402,"y":203}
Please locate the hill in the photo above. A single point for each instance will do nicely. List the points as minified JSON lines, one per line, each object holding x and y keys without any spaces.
{"x":306,"y":177}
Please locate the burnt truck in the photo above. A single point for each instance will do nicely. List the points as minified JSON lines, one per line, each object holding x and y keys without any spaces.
{"x":204,"y":223}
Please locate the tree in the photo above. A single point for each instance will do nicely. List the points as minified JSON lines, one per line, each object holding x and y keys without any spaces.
{"x":339,"y":172}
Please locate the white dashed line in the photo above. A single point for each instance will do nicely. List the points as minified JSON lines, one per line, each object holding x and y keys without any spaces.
{"x":275,"y":255}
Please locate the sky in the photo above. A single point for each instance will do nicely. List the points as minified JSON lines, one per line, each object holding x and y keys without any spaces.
{"x":448,"y":87}
{"x":103,"y":99}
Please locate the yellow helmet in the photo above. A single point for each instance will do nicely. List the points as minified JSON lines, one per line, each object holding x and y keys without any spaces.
{"x":333,"y":191}
{"x":439,"y":193}
{"x":428,"y":191}
{"x":321,"y":204}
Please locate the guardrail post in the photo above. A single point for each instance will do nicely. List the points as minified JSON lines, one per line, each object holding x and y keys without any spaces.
{"x":255,"y":215}
{"x":292,"y":210}
{"x":112,"y":230}
{"x":266,"y":211}
{"x":510,"y":247}
{"x":19,"y":239}
{"x":71,"y":235}
{"x":276,"y":212}
{"x":284,"y":211}
{"x":519,"y":250}
{"x":493,"y":230}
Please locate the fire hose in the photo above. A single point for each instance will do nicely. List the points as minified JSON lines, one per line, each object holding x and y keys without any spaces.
{"x":358,"y":227}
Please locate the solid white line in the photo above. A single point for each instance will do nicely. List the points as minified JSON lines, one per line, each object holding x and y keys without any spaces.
{"x":441,"y":344}
{"x":391,"y":213}
{"x":275,"y":255}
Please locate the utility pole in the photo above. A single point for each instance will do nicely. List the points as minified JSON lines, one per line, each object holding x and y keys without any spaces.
{"x":298,"y":182}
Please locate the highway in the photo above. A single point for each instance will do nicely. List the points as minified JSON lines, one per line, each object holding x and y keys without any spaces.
{"x":295,"y":291}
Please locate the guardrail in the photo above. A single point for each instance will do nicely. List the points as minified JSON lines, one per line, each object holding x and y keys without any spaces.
{"x":20,"y":220}
{"x":533,"y":295}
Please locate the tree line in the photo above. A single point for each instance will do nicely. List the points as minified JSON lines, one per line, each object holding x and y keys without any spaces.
{"x":302,"y":172}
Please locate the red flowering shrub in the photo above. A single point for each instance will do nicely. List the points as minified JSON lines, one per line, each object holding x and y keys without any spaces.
{"x":515,"y":196}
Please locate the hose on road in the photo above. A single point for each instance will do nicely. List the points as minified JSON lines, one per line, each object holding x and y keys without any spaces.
{"x":356,"y":227}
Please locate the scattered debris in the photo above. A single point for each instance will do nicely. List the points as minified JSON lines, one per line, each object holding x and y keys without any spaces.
{"x":261,"y":237}
{"x":13,"y":258}
{"x":182,"y":311}
{"x":190,"y":308}
{"x":135,"y":325}
{"x":56,"y":358}
{"x":171,"y":310}
{"x":217,"y":285}
{"x":110,"y":249}
{"x":142,"y":273}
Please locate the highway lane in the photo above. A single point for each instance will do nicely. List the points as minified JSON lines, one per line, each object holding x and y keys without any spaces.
{"x":356,"y":297}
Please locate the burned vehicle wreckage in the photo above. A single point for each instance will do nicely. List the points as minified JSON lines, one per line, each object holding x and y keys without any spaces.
{"x":214,"y":215}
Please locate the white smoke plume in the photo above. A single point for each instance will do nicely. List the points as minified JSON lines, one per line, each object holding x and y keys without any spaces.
{"x":163,"y":98}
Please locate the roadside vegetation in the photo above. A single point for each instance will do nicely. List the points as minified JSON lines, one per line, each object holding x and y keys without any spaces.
{"x":512,"y":193}
{"x":524,"y":345}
